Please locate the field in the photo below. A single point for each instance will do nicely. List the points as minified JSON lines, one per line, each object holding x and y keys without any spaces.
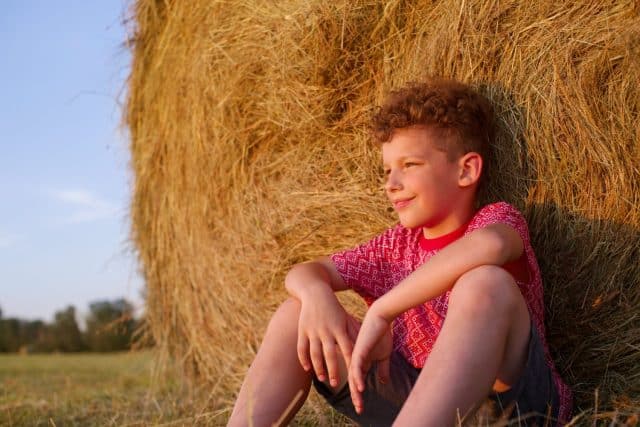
{"x":113,"y":389}
{"x":117,"y":389}
{"x":96,"y":390}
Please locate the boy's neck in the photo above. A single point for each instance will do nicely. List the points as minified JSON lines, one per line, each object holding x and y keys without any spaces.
{"x":456,"y":219}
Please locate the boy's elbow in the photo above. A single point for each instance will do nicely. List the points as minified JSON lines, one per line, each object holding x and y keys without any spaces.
{"x":290,"y":278}
{"x":499,"y":246}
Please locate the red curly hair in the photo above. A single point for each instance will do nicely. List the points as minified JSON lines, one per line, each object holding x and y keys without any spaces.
{"x":464,"y":116}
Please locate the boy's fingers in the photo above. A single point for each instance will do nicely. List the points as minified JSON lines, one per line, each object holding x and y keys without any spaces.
{"x":331,"y":361}
{"x":346,"y":347}
{"x":303,"y":352}
{"x":357,"y":401}
{"x":356,"y":396}
{"x":353,"y":327}
{"x":317,"y":359}
{"x":356,"y":372}
{"x":360,"y":381}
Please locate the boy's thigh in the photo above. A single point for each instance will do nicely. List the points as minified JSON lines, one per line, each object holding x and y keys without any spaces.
{"x":533,"y":398}
{"x":382,"y":402}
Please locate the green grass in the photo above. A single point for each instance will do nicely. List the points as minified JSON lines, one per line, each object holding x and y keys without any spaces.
{"x":95,"y":390}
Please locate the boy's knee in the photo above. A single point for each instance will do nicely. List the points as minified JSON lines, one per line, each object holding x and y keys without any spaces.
{"x":290,"y":308}
{"x":286,"y":315}
{"x":291,"y":304}
{"x":487,"y":287}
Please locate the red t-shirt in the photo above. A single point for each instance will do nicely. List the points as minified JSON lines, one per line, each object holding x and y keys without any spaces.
{"x":375,"y":267}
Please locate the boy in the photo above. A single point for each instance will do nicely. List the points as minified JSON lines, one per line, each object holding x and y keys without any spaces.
{"x":454,"y":293}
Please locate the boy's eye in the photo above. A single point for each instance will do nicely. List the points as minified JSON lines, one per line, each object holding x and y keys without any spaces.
{"x":386,"y":172}
{"x":409,"y":164}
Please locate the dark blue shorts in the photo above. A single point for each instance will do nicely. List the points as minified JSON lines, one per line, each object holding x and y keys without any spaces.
{"x":533,"y":398}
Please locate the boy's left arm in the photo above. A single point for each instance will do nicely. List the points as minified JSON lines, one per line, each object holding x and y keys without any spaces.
{"x":495,"y":244}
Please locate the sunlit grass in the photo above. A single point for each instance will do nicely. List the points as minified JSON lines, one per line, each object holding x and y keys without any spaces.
{"x":95,"y":390}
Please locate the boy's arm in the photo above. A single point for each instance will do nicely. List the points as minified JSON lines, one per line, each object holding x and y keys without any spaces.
{"x":495,"y":244}
{"x":323,"y":326}
{"x":320,"y":272}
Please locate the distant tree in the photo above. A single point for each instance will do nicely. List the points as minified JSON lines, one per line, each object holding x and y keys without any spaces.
{"x":66,"y":334}
{"x":34,"y":336}
{"x":2,"y":336}
{"x":9,"y":335}
{"x":110,"y":325}
{"x":24,"y":335}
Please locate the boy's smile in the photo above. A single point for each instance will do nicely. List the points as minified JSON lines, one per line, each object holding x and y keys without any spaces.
{"x":422,"y":183}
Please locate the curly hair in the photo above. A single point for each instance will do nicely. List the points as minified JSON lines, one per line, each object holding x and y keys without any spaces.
{"x":455,"y":108}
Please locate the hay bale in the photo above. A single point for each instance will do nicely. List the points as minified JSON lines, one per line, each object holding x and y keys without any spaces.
{"x":250,"y":153}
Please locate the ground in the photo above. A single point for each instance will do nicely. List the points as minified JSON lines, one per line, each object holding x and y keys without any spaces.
{"x":116,"y":389}
{"x":113,"y":389}
{"x":93,"y":390}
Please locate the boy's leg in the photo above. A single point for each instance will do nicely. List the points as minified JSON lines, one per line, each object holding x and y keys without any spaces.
{"x":484,"y":338}
{"x":382,"y":401}
{"x":275,"y":377}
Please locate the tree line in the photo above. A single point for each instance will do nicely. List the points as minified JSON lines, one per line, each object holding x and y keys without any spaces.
{"x":110,"y":326}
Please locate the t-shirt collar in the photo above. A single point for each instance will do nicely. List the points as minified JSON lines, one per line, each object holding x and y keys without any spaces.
{"x":442,"y":241}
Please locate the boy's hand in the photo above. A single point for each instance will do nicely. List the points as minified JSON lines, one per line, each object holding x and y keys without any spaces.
{"x":374,"y":343}
{"x":323,"y":329}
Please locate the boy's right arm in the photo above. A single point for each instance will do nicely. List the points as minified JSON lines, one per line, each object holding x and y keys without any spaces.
{"x":323,"y":321}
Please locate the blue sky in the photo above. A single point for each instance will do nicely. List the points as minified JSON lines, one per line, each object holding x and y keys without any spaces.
{"x":64,"y":162}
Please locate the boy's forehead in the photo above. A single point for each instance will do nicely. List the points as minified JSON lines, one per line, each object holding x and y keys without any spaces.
{"x":410,"y":141}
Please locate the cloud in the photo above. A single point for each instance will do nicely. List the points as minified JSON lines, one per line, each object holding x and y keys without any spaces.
{"x":89,"y":207}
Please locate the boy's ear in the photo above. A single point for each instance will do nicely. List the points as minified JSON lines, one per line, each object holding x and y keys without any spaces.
{"x":470,"y":168}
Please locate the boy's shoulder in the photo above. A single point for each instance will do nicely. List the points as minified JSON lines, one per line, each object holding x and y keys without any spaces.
{"x":500,"y":208}
{"x":498,"y":212}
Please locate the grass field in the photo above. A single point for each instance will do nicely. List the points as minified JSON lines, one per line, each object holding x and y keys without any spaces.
{"x":116,"y":389}
{"x":112,"y":389}
{"x":96,"y":390}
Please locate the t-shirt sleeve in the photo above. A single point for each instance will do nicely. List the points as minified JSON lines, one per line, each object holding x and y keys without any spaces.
{"x":504,"y":213}
{"x":501,"y":213}
{"x":363,"y":267}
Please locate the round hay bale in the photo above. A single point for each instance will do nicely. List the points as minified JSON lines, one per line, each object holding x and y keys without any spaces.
{"x":250,"y":152}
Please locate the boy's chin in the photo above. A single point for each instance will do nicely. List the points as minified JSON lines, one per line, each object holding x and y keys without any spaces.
{"x":410,"y":223}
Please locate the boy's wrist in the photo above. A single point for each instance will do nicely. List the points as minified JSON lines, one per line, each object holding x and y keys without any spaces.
{"x":313,"y":291}
{"x":307,"y":280}
{"x":379,"y":309}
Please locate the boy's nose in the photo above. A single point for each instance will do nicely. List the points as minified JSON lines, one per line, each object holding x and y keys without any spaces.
{"x":392,"y":183}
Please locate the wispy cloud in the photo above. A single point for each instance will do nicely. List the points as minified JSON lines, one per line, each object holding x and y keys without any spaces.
{"x":88,"y":206}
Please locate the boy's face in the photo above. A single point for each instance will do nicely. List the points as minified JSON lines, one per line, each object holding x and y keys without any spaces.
{"x":421,"y":182}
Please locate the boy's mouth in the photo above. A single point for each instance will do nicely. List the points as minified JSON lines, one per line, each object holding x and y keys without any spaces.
{"x":401,"y":203}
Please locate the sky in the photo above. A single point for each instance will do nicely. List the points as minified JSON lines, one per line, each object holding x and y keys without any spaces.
{"x":65,"y":182}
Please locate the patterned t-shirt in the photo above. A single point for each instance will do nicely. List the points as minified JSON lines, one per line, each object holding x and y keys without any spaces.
{"x":372,"y":269}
